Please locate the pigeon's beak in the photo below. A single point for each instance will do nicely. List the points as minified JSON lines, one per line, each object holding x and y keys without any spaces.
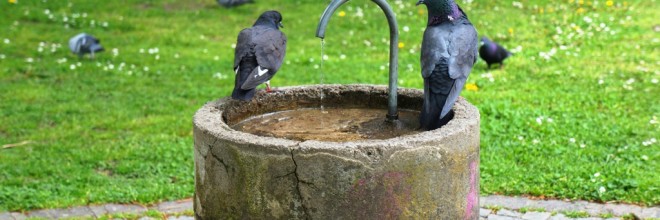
{"x":420,"y":2}
{"x":280,"y":24}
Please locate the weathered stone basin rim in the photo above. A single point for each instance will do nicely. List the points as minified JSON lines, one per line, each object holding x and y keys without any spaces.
{"x":429,"y":175}
{"x":217,"y":117}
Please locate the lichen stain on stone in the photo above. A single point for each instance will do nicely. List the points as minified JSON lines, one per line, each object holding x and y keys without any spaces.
{"x":200,"y":165}
{"x":275,"y":208}
{"x":252,"y":179}
{"x":388,"y":192}
{"x":443,"y":171}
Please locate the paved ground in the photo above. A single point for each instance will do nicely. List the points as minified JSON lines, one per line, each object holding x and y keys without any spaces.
{"x":513,"y":208}
{"x":493,"y":208}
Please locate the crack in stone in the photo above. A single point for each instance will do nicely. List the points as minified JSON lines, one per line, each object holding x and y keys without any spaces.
{"x":89,"y":209}
{"x":307,"y":183}
{"x":105,"y":208}
{"x":285,"y":175}
{"x":298,"y":181}
{"x":220,"y":160}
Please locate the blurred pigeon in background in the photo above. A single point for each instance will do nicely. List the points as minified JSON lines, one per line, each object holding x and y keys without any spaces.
{"x":258,"y":55}
{"x":233,"y":3}
{"x":83,"y":43}
{"x":449,"y":50}
{"x":492,"y":52}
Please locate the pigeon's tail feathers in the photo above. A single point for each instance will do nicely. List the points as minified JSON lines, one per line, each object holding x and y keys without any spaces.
{"x":437,"y":111}
{"x":448,"y":117}
{"x":431,"y":117}
{"x":428,"y":120}
{"x":505,"y":53}
{"x":258,"y":76}
{"x":440,"y":93}
{"x":430,"y":113}
{"x":246,"y":66}
{"x":455,"y":91}
{"x":244,"y":95}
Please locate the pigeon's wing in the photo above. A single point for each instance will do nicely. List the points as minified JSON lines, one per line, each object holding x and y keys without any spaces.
{"x":482,"y":51}
{"x":448,"y":55}
{"x":502,"y":52}
{"x":75,"y":43}
{"x":463,"y":51}
{"x":243,"y":45}
{"x":434,"y":48}
{"x":270,"y":49}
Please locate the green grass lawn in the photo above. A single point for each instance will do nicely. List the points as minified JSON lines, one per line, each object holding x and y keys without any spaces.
{"x":575,"y":113}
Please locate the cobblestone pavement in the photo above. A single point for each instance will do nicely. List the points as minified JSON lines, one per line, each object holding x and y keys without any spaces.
{"x":492,"y":208}
{"x":96,"y":211}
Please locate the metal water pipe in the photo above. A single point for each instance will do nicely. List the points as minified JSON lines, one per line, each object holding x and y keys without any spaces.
{"x":392,"y":113}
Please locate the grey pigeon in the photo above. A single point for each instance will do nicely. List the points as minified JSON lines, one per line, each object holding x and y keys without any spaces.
{"x":82,"y":44}
{"x":449,"y":50}
{"x":492,"y":52}
{"x":259,"y":54}
{"x":233,"y":3}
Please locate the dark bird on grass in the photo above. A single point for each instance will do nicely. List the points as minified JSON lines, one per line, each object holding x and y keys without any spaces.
{"x":492,"y":52}
{"x":449,"y":50}
{"x":82,"y":44}
{"x":233,"y":3}
{"x":259,"y":54}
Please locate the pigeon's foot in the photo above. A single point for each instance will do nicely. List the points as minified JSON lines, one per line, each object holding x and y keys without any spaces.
{"x":275,"y":91}
{"x":268,"y":90}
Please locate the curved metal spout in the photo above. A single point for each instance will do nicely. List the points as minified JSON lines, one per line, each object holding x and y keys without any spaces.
{"x":392,"y":113}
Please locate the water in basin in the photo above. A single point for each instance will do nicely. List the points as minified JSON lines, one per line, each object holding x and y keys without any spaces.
{"x":331,"y":124}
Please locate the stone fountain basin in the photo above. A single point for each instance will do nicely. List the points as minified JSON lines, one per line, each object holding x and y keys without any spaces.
{"x":430,"y":175}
